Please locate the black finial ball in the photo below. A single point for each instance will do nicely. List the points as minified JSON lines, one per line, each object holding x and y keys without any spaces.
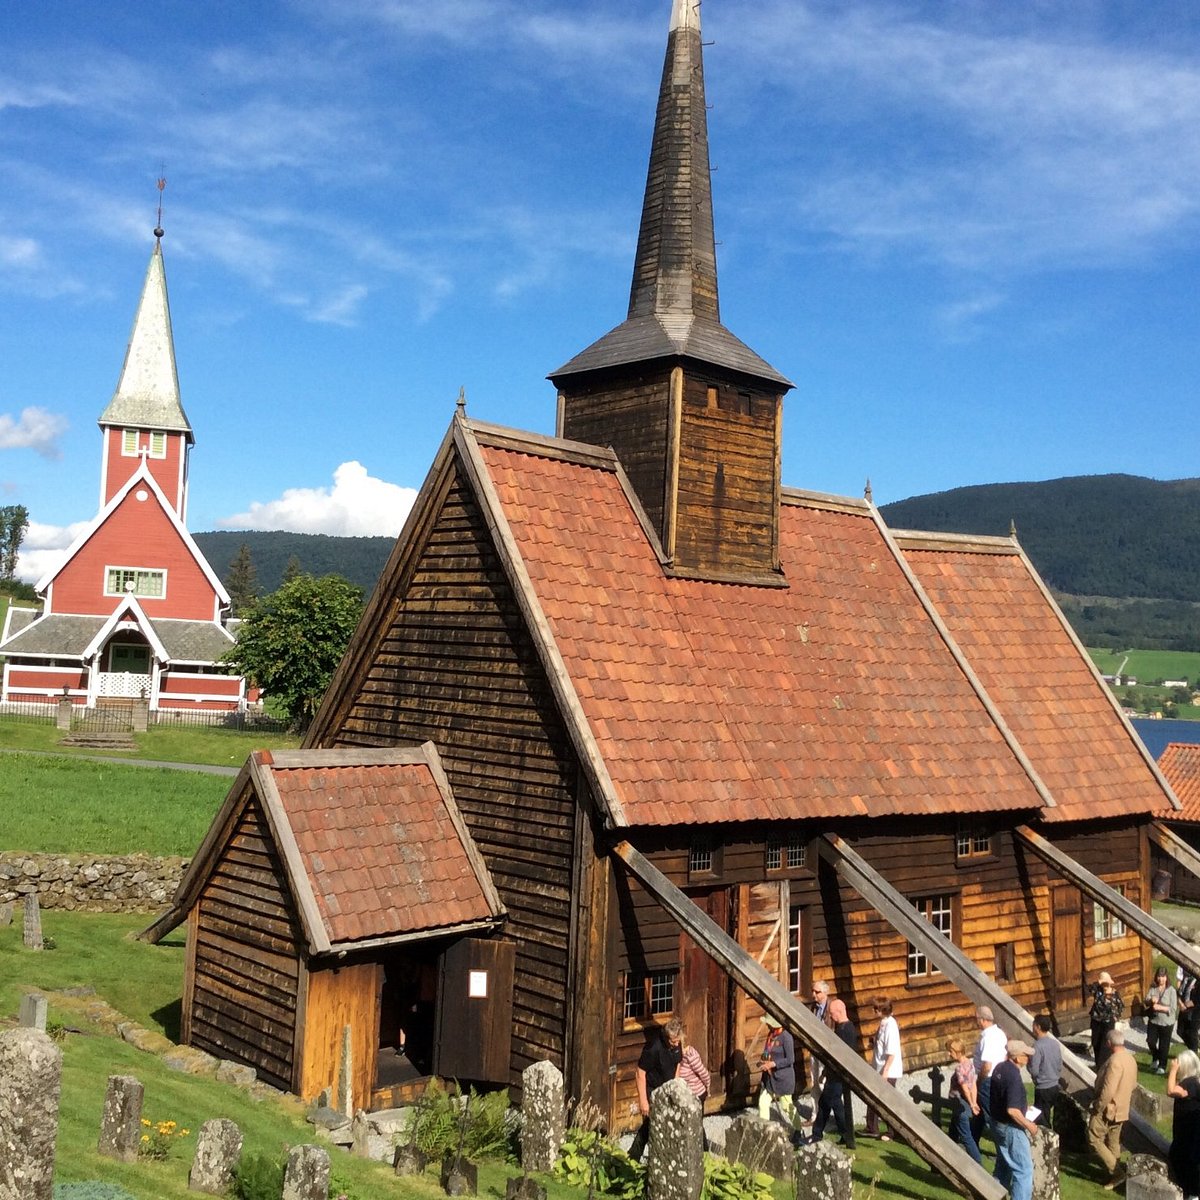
{"x":158,"y":231}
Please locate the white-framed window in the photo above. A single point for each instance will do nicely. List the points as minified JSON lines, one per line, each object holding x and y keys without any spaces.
{"x":649,"y":993}
{"x":131,"y":443}
{"x":939,"y":912}
{"x":136,"y":581}
{"x":973,"y":842}
{"x":1106,"y":926}
{"x":795,"y":949}
{"x":786,"y":852}
{"x":158,"y":444}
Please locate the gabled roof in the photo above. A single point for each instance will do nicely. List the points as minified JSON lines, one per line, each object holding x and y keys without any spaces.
{"x":143,"y":477}
{"x":131,"y":612}
{"x":1041,"y":678}
{"x":374,"y":847}
{"x":696,"y":702}
{"x":147,"y":395}
{"x":674,"y":308}
{"x":1180,"y":763}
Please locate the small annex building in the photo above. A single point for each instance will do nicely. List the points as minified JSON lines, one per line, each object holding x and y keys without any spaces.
{"x":715,"y":738}
{"x":132,"y":609}
{"x":1180,"y":764}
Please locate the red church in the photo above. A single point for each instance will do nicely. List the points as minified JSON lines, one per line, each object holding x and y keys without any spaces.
{"x":132,"y":609}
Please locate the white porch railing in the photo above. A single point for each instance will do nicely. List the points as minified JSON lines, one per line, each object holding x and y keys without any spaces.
{"x":123,"y":683}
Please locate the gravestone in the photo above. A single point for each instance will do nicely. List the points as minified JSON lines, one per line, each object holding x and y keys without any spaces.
{"x":1044,"y":1148}
{"x":30,"y":1080}
{"x":460,"y":1176}
{"x":6,"y":910}
{"x":543,"y":1114}
{"x":306,"y":1175}
{"x":524,"y":1187}
{"x":1153,"y":1106}
{"x":675,"y":1167}
{"x":33,"y":923}
{"x":408,"y":1160}
{"x":760,"y":1145}
{"x":121,"y":1124}
{"x":32,"y":1014}
{"x":1147,"y":1180}
{"x":822,"y":1172}
{"x":218,"y":1152}
{"x":1069,"y":1121}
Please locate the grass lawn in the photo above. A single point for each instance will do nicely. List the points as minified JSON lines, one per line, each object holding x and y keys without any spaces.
{"x":98,"y":808}
{"x":1145,"y":665}
{"x":166,"y":743}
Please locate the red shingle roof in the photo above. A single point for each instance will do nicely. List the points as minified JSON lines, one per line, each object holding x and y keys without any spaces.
{"x":1180,"y":763}
{"x":380,"y":844}
{"x":1044,"y":687}
{"x":710,"y":702}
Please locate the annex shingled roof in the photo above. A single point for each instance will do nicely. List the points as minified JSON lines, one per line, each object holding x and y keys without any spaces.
{"x":382,"y":848}
{"x":1037,"y":674}
{"x":834,"y":696}
{"x":1180,"y":763}
{"x":65,"y":635}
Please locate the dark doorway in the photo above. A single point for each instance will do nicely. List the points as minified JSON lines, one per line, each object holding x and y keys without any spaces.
{"x":407,"y":1008}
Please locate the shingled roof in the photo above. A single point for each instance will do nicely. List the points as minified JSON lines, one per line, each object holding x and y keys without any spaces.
{"x":1180,"y":764}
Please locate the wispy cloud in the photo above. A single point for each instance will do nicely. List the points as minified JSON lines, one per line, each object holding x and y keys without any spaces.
{"x":357,"y":505}
{"x":43,"y":547}
{"x":35,"y":429}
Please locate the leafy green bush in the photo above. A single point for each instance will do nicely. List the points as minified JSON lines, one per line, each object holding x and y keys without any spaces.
{"x":91,"y":1190}
{"x":438,"y":1124}
{"x":588,"y":1154}
{"x":258,"y":1177}
{"x":725,"y":1180}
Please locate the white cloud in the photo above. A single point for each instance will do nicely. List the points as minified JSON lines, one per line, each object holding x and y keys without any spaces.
{"x":43,"y":547}
{"x":35,"y":429}
{"x":358,"y":505}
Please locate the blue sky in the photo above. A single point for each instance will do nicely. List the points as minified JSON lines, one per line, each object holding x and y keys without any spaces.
{"x":968,"y":232}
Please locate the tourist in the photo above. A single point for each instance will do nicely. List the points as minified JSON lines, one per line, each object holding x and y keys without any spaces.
{"x":1187,"y":1025}
{"x":964,"y":1098}
{"x":693,"y":1072}
{"x":778,"y":1068}
{"x":659,"y":1062}
{"x":991,"y":1051}
{"x":1183,"y":1083}
{"x":1107,"y":1009}
{"x":1011,"y":1128}
{"x":1045,"y":1069}
{"x":886,"y":1058}
{"x":834,"y":1099}
{"x":816,"y":1068}
{"x":1162,"y":1003}
{"x":1115,"y":1082}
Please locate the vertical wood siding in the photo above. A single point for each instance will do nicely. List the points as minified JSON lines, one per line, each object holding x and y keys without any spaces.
{"x":456,"y":666}
{"x":246,"y":963}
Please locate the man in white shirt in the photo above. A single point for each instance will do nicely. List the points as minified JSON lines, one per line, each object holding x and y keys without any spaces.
{"x":816,"y":1068}
{"x":991,"y":1051}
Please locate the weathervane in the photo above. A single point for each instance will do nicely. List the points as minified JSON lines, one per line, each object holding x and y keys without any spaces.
{"x":162,"y":183}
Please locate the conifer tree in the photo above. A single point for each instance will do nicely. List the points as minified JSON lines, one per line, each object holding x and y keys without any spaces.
{"x":242,"y":582}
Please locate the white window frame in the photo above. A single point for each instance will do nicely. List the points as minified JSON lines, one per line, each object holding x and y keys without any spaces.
{"x":1106,"y":926}
{"x":158,"y":444}
{"x":786,"y":851}
{"x":131,"y":443}
{"x":120,"y":590}
{"x":795,"y":949}
{"x":938,"y":910}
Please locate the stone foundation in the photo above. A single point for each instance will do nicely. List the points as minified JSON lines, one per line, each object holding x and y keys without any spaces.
{"x":91,"y":882}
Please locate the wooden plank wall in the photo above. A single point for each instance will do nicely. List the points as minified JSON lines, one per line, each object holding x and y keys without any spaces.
{"x":337,"y":997}
{"x":1000,"y":899}
{"x":246,"y":963}
{"x":728,"y":477}
{"x":630,"y":415}
{"x":457,"y":667}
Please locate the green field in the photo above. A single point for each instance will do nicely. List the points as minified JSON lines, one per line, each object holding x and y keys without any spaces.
{"x":1146,"y":665}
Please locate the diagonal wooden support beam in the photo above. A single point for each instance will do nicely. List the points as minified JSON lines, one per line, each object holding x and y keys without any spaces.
{"x":1096,"y":890}
{"x":953,"y":963}
{"x":1170,"y":843}
{"x":926,"y":1138}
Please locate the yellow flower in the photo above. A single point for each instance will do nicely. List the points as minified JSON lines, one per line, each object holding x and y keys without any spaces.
{"x":146,"y":1122}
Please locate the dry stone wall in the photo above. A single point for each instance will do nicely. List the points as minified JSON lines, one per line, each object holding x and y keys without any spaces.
{"x":91,"y":882}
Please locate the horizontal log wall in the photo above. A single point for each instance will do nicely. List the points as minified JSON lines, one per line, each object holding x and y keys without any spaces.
{"x":999,"y":899}
{"x":246,"y":968}
{"x":456,"y":666}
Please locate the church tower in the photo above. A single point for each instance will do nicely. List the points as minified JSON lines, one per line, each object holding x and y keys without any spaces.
{"x":145,"y":419}
{"x":692,"y":412}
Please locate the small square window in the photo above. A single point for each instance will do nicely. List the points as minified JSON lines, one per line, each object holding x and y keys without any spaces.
{"x":786,"y":852}
{"x":701,"y":856}
{"x":649,"y":993}
{"x":973,"y":842}
{"x":1106,"y":927}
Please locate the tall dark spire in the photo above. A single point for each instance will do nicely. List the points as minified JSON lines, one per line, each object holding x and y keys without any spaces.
{"x":675,"y":271}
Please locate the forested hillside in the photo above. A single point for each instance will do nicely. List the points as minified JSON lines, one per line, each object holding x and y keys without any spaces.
{"x":1121,"y":552}
{"x":359,"y":559}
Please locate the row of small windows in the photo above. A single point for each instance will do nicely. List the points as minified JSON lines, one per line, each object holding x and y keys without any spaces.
{"x":131,"y":443}
{"x":136,"y":581}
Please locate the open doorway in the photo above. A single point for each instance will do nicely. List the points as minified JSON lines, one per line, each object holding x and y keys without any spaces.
{"x":407,"y":1014}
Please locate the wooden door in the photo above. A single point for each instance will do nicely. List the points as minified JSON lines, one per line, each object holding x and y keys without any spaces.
{"x":703,"y":1003}
{"x":474,"y":1011}
{"x":1067,"y":946}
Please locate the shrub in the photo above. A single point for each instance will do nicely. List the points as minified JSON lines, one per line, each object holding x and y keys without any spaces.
{"x":258,"y":1177}
{"x":724,"y":1180}
{"x":588,"y":1159}
{"x":438,"y":1125}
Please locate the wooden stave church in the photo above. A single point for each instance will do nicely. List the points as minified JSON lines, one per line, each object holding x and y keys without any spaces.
{"x":950,"y":723}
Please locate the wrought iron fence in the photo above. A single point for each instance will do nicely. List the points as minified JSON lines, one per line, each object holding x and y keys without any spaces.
{"x":111,"y":716}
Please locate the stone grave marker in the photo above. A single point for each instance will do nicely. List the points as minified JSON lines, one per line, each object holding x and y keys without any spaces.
{"x":460,"y":1176}
{"x":822,"y":1172}
{"x":1044,"y":1148}
{"x":306,"y":1175}
{"x":675,"y":1167}
{"x":30,"y":1081}
{"x":121,"y":1124}
{"x":760,"y":1145}
{"x":32,"y":1013}
{"x":6,"y":911}
{"x":33,"y":923}
{"x":544,"y":1118}
{"x":524,"y":1187}
{"x":218,"y":1152}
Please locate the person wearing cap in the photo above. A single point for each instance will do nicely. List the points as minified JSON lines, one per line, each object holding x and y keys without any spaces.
{"x":1011,"y":1128}
{"x":1107,"y":1009}
{"x":778,"y":1068}
{"x":1115,"y":1082}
